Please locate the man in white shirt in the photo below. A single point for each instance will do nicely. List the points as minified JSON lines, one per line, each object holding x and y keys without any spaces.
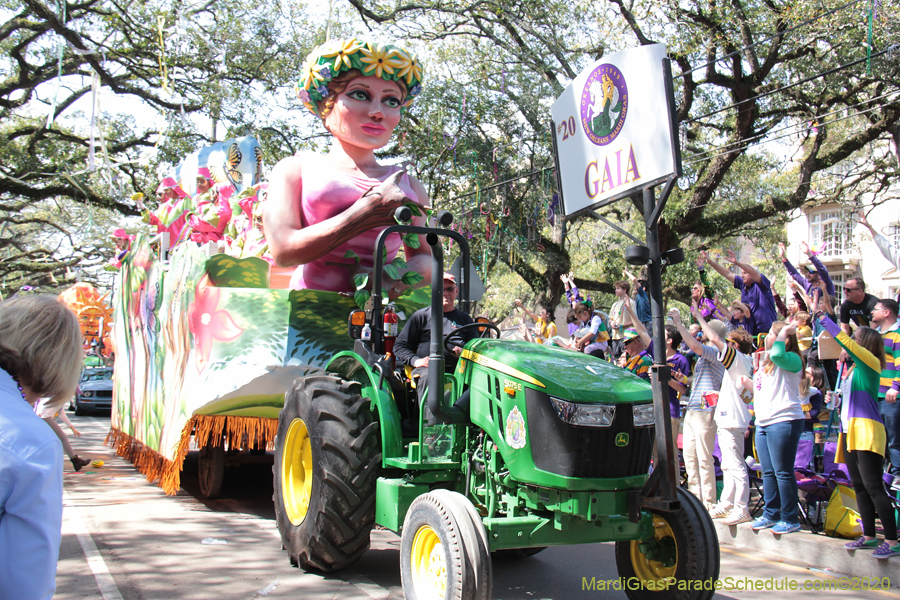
{"x":619,"y":319}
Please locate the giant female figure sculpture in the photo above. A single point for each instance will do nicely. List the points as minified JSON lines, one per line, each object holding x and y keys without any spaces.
{"x":324,"y":213}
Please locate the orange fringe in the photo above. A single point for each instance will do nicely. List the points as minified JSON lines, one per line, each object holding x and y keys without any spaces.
{"x":237,"y":432}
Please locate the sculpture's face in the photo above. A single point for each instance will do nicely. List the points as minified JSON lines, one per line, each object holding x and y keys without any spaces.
{"x":366,"y":113}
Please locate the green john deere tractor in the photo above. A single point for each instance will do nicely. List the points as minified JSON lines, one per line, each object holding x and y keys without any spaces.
{"x":535,"y":447}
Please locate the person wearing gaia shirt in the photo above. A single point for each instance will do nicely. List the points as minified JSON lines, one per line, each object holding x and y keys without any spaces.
{"x":324,"y":212}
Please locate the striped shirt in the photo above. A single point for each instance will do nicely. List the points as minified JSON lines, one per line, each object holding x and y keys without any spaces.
{"x":890,"y":375}
{"x":640,"y":365}
{"x":708,"y":373}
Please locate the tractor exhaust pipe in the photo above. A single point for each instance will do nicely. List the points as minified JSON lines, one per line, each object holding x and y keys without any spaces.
{"x":436,"y":354}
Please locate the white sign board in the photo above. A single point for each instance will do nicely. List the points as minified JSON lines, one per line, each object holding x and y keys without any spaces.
{"x":613,"y":130}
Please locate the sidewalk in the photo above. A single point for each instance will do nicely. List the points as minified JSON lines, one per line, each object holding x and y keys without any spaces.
{"x":817,"y":551}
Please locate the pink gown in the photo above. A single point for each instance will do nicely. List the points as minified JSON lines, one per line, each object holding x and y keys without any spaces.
{"x":328,"y":192}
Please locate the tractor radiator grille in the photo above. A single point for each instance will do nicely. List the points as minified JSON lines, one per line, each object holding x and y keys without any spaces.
{"x":586,"y":452}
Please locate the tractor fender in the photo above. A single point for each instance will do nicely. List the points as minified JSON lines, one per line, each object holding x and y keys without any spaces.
{"x":351,"y":367}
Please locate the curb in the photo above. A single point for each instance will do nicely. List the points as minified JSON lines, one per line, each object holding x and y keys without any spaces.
{"x":816,"y":551}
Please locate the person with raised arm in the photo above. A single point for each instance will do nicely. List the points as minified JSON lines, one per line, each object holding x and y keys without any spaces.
{"x":732,"y":418}
{"x":641,"y":299}
{"x":863,"y":437}
{"x":779,"y":423}
{"x":884,"y":245}
{"x":699,"y":430}
{"x":619,"y":320}
{"x":573,"y":296}
{"x":325,"y":213}
{"x":816,"y":276}
{"x":756,"y":291}
{"x":544,"y":327}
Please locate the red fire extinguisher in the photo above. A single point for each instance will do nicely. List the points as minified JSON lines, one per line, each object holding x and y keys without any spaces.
{"x":391,"y":325}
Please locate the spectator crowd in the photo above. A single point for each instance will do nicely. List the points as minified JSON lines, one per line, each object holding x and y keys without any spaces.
{"x":758,"y":375}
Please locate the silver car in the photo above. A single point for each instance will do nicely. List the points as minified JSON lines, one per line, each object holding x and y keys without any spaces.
{"x":94,"y":390}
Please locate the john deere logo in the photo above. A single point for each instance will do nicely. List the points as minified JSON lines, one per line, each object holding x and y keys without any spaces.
{"x":622,"y":439}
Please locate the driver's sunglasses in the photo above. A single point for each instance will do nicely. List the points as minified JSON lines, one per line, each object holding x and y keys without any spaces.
{"x":449,"y":289}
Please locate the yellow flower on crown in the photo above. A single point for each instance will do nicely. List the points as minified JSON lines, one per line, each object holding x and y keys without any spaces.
{"x":408,"y":66}
{"x":341,"y":50}
{"x":306,"y":71}
{"x":379,"y":59}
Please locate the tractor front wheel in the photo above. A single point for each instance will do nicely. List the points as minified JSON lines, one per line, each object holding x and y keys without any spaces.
{"x":444,"y":550}
{"x":683,"y":552}
{"x":327,"y":459}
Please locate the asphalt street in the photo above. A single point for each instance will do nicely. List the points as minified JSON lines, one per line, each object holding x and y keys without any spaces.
{"x":124,"y":539}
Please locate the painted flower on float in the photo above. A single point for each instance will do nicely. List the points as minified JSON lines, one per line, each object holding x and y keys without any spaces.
{"x":208,"y":323}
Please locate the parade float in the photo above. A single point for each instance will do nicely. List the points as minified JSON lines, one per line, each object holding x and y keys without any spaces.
{"x":208,"y":338}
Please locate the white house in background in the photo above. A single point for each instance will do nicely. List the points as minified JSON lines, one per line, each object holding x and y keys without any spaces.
{"x":849,"y":250}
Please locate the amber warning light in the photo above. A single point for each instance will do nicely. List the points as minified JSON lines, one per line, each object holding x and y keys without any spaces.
{"x":355,"y":324}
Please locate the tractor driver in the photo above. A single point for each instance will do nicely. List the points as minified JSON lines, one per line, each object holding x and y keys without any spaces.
{"x":413,"y":343}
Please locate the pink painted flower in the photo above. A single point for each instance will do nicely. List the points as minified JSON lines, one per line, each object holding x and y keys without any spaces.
{"x":207,"y":323}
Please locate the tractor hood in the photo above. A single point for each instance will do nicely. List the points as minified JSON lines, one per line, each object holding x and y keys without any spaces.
{"x":562,"y":373}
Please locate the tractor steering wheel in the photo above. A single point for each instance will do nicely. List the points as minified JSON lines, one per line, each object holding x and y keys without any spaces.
{"x":485,"y":327}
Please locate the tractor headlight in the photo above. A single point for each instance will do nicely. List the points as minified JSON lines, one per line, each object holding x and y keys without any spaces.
{"x":643,"y":415}
{"x":585,"y":415}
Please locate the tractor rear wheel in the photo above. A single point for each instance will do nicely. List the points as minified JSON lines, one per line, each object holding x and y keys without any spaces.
{"x":211,"y":469}
{"x":684,"y":549}
{"x":444,"y":551}
{"x":327,"y":459}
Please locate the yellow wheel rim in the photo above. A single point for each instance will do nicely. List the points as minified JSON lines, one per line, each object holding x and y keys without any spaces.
{"x":428,"y":567}
{"x":647,"y":569}
{"x":296,"y":472}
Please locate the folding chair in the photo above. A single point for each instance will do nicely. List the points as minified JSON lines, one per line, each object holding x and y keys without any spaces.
{"x":754,"y":473}
{"x":804,"y":456}
{"x":816,"y":488}
{"x":832,"y":470}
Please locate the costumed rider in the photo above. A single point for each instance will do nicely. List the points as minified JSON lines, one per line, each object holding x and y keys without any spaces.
{"x":123,"y":247}
{"x":414,"y":342}
{"x":324,"y":213}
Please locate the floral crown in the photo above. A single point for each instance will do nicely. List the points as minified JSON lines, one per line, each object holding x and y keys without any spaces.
{"x":334,"y":57}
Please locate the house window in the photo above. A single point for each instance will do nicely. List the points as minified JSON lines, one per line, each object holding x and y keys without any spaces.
{"x":831,"y":233}
{"x":838,"y":280}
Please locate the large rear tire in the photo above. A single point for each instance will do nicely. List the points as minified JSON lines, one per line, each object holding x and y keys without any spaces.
{"x":327,"y":460}
{"x":684,"y":550}
{"x":444,"y":552}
